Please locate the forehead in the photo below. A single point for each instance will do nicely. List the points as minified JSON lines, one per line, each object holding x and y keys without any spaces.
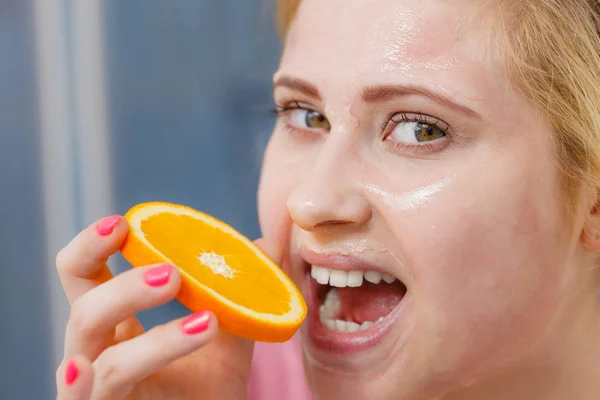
{"x":439,"y":43}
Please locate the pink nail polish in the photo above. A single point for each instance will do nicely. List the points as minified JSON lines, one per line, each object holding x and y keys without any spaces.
{"x":196,"y":323}
{"x":158,"y":276}
{"x":106,"y":226}
{"x":71,"y":372}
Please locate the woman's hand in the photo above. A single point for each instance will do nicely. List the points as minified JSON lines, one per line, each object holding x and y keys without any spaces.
{"x":107,"y":353}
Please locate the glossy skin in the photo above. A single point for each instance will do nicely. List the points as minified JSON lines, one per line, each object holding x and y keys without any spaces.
{"x":497,"y":276}
{"x":502,"y":286}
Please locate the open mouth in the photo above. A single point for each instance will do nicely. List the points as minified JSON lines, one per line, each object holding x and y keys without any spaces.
{"x":356,"y":300}
{"x":353,"y":305}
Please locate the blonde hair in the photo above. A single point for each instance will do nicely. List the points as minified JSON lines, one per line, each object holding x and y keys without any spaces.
{"x":551,"y":49}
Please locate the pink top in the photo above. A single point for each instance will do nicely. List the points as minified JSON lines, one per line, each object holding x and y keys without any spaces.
{"x":277,"y":372}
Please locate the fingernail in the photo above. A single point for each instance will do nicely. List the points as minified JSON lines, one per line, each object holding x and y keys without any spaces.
{"x":158,"y":276}
{"x":106,"y":226}
{"x":71,"y":372}
{"x":196,"y":323}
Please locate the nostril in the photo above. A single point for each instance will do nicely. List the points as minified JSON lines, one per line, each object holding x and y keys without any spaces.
{"x":325,"y":202}
{"x":333,"y":222}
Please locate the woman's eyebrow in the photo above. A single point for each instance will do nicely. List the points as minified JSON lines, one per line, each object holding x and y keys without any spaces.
{"x":299,"y":85}
{"x":377,"y":93}
{"x":374,"y":94}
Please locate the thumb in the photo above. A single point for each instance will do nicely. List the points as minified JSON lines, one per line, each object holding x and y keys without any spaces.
{"x":74,"y":379}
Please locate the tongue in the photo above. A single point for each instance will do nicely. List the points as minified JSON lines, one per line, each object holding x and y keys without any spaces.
{"x":369,"y":301}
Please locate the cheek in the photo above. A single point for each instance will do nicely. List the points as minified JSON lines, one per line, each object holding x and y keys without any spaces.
{"x":276,"y":184}
{"x":280,"y":175}
{"x":487,"y":266}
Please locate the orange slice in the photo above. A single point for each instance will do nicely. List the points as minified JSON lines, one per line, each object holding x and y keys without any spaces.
{"x":221,"y":270}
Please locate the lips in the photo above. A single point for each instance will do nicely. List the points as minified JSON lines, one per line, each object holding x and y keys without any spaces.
{"x":352,"y":304}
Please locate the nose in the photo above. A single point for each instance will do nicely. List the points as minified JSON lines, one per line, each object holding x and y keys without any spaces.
{"x":327,"y":197}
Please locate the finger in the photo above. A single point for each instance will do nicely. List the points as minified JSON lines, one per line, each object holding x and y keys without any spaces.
{"x":95,"y":314}
{"x":81,"y":264}
{"x":123,"y":365}
{"x":75,"y":379}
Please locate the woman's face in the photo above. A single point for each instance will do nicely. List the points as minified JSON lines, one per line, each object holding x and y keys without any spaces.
{"x":402,"y":148}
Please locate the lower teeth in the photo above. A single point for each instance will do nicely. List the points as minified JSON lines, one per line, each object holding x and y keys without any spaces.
{"x":332,"y":307}
{"x":347,"y":326}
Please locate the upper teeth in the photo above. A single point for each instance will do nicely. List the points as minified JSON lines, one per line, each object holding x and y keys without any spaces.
{"x":339,"y":278}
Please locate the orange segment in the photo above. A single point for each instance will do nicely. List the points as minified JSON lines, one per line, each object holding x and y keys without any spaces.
{"x":221,"y":270}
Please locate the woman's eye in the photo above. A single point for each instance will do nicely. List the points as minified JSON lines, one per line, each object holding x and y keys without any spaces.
{"x":309,"y":119}
{"x":416,"y":132}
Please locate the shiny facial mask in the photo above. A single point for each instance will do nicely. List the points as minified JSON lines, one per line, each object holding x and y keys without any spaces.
{"x":411,"y":200}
